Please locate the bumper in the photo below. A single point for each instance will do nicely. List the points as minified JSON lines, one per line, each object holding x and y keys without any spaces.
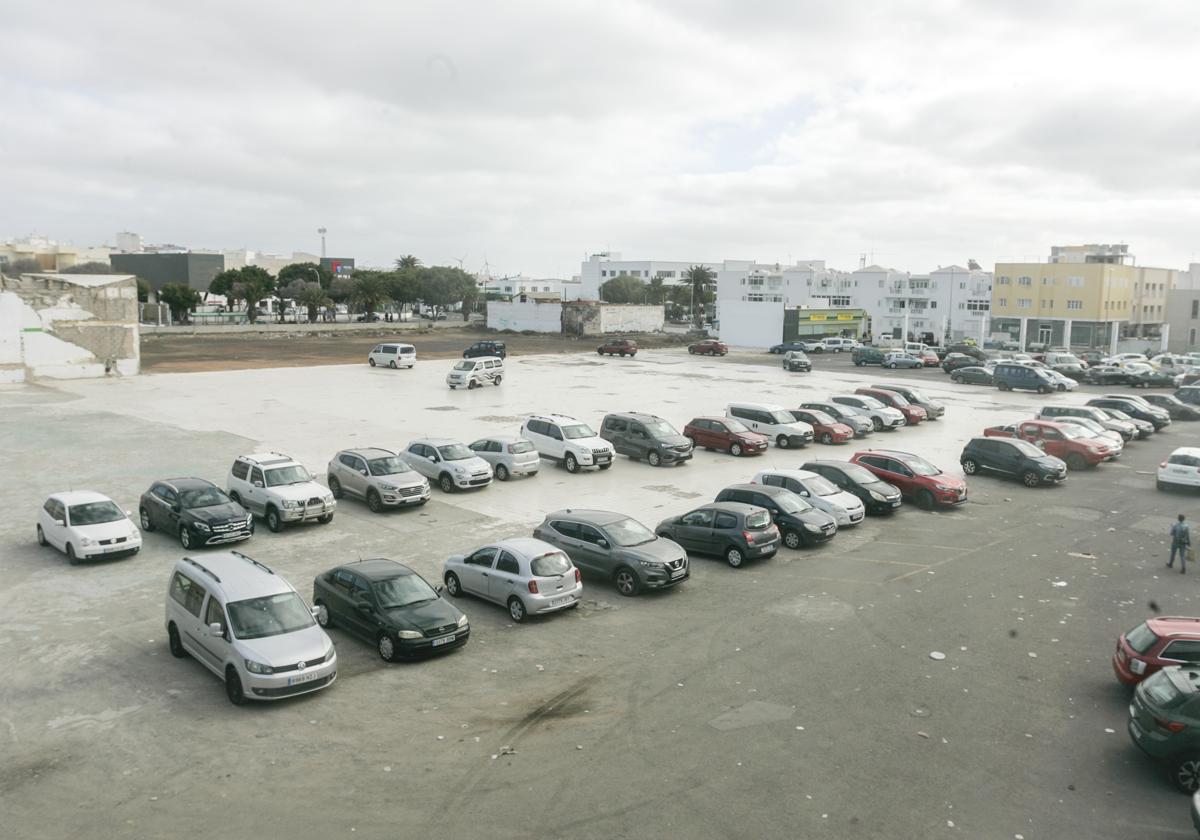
{"x":893,"y":423}
{"x":1054,"y":477}
{"x":945,"y":499}
{"x":1178,"y":480}
{"x":591,"y":459}
{"x":1151,"y":743}
{"x":524,"y":467}
{"x":125,"y":549}
{"x":883,"y":507}
{"x":752,"y":448}
{"x":307,"y":514}
{"x":800,"y":440}
{"x":417,"y":648}
{"x":542,"y":604}
{"x":279,"y":686}
{"x":656,"y":579}
{"x":819,"y":537}
{"x":469,"y":482}
{"x":400,"y":499}
{"x":670,"y":456}
{"x":211,"y":538}
{"x":792,"y":366}
{"x":913,"y":418}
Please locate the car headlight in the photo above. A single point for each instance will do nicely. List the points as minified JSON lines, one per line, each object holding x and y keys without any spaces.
{"x":879,"y":497}
{"x":410,"y":634}
{"x":650,"y":564}
{"x":388,"y":488}
{"x":86,"y":541}
{"x":816,"y":529}
{"x":945,"y":488}
{"x":249,"y":520}
{"x":200,"y":526}
{"x":289,"y":504}
{"x":257,"y":667}
{"x":462,"y":621}
{"x":328,"y":498}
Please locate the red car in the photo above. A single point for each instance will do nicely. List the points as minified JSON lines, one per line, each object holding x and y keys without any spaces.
{"x":726,"y":434}
{"x":708,"y":347}
{"x":826,"y":427}
{"x":618,"y":347}
{"x":1062,"y":440}
{"x":1155,"y":644}
{"x":929,"y":357}
{"x":913,"y":414}
{"x":917,"y":478}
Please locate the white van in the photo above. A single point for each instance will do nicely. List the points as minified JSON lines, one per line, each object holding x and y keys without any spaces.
{"x":471,"y":373}
{"x":838,"y":344}
{"x":393,"y":355}
{"x":774,"y":421}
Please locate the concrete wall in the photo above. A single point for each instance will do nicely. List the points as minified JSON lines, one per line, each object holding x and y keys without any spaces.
{"x":629,"y":317}
{"x":530,"y":315}
{"x":1183,"y":318}
{"x":750,"y":324}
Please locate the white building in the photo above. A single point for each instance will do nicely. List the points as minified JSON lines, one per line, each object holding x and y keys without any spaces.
{"x":129,"y":242}
{"x":50,"y":254}
{"x":602,"y":267}
{"x":242,"y":257}
{"x":521,"y":285}
{"x":952,"y":301}
{"x":807,"y":283}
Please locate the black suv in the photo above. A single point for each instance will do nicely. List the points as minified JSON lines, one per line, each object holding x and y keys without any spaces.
{"x":1012,"y":457}
{"x":1136,"y":408}
{"x":644,"y":436}
{"x":485,"y":348}
{"x":799,"y":522}
{"x":195,"y":510}
{"x":877,"y":496}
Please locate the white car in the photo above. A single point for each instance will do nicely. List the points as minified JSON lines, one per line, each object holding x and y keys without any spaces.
{"x":527,"y":575}
{"x":450,"y":463}
{"x":1120,"y":359}
{"x":837,"y":345}
{"x":774,"y":421}
{"x":393,"y":355}
{"x":279,"y":489}
{"x":1062,"y":382}
{"x":818,"y":491}
{"x":568,"y":441}
{"x":1181,"y":469}
{"x":882,"y":417}
{"x":508,"y":455}
{"x":84,"y":525}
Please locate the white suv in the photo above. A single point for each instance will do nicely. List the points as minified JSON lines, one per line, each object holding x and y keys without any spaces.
{"x":448,"y":462}
{"x":248,"y":626}
{"x":278,"y":489}
{"x":571,"y":442}
{"x":774,"y":421}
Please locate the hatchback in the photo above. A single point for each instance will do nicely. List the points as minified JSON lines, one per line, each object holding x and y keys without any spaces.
{"x":955,"y":361}
{"x":194,"y":510}
{"x":528,"y":576}
{"x":877,"y":496}
{"x":390,"y":606}
{"x":508,"y":455}
{"x":1155,"y":644}
{"x":799,"y":523}
{"x":917,"y":478}
{"x":1164,"y":722}
{"x":738,"y":532}
{"x":817,"y":491}
{"x":913,"y":414}
{"x":826,"y":429}
{"x":1135,"y":407}
{"x":861,"y":425}
{"x":929,"y":357}
{"x":450,"y":463}
{"x":1180,"y":469}
{"x":708,"y":347}
{"x":901,"y":359}
{"x":85,"y":525}
{"x":725,"y":434}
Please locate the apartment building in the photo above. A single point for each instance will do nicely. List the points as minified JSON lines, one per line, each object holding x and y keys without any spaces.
{"x":50,"y":254}
{"x":599,"y":268}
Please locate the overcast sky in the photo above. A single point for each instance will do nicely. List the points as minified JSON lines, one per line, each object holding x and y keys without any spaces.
{"x":529,"y":134}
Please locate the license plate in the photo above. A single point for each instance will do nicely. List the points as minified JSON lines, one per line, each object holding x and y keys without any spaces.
{"x":896,"y":503}
{"x":111,"y":548}
{"x":602,"y":459}
{"x":445,"y":640}
{"x":303,"y":678}
{"x":677,"y":573}
{"x":558,"y":602}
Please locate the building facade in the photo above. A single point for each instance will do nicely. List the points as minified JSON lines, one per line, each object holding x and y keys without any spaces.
{"x":49,"y":254}
{"x":158,"y":269}
{"x":1183,"y":320}
{"x":600,"y":268}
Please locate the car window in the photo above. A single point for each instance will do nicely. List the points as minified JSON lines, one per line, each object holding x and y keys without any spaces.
{"x":898,"y":468}
{"x":629,"y":532}
{"x":240,"y":469}
{"x":273,"y":615}
{"x":214,"y":614}
{"x":614,"y":424}
{"x":732,"y":426}
{"x":464,"y":365}
{"x":1141,"y":638}
{"x":589,"y":534}
{"x":1182,"y":650}
{"x":454,"y":452}
{"x":346,"y":460}
{"x":483,"y":557}
{"x":819,"y":486}
{"x":344,"y":581}
{"x":359,"y":588}
{"x":724,"y":520}
{"x":773,"y":480}
{"x":256,"y":476}
{"x":507,"y":563}
{"x":553,"y":432}
{"x":188,"y":593}
{"x":1184,"y":460}
{"x":49,"y":507}
{"x":550,"y":564}
{"x":698,"y":518}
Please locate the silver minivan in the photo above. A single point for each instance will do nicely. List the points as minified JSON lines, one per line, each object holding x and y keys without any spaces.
{"x":393,"y":355}
{"x":471,"y":373}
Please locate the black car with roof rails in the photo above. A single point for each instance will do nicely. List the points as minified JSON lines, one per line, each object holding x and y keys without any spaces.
{"x":1176,"y":408}
{"x":877,"y":495}
{"x":1015,"y":458}
{"x":485,"y":348}
{"x":391,"y":606}
{"x":1135,"y":407}
{"x":799,"y":523}
{"x":196,"y":511}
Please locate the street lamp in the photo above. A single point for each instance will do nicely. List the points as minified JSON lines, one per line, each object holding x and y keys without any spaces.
{"x":322,"y":231}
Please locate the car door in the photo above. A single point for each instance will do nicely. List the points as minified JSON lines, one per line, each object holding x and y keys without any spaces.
{"x":355,"y":474}
{"x":419,"y":459}
{"x":721,"y":534}
{"x":694,"y":530}
{"x":716,"y":435}
{"x":505,"y":578}
{"x":54,"y":524}
{"x":476,"y":569}
{"x":639,"y":441}
{"x":362,"y":618}
{"x":596,"y":547}
{"x":615,"y":430}
{"x":337,"y":595}
{"x":211,"y":649}
{"x":171,"y":510}
{"x":567,"y":538}
{"x":254,"y":497}
{"x":902,"y":476}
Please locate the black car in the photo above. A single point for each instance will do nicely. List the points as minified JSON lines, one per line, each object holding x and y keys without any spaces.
{"x":797,"y":360}
{"x":973,"y":375}
{"x":367,"y":317}
{"x":1143,"y":378}
{"x":799,"y":523}
{"x":1012,"y":457}
{"x":196,"y":511}
{"x":1092,"y":357}
{"x":1106,"y":375}
{"x":878,"y":496}
{"x":788,"y":345}
{"x":1142,"y":428}
{"x":967,"y":350}
{"x":391,"y":606}
{"x":1134,"y":408}
{"x":1175,"y":407}
{"x":737,"y":532}
{"x":1076,"y":372}
{"x":485,"y":348}
{"x":954,"y":361}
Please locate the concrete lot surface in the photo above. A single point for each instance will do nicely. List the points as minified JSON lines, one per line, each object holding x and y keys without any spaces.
{"x":794,"y":697}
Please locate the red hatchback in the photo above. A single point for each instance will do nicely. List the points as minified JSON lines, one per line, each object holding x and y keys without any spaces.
{"x":726,"y":434}
{"x":826,"y":427}
{"x":1155,"y":644}
{"x":708,"y":347}
{"x":913,"y":414}
{"x":929,"y":358}
{"x":917,"y":479}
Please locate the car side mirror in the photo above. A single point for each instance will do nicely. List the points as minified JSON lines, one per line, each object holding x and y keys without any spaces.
{"x":804,"y":493}
{"x":363,"y":472}
{"x":62,"y":522}
{"x":603,"y":543}
{"x":174,"y":509}
{"x":439,"y":589}
{"x":316,"y":611}
{"x":363,"y":605}
{"x":129,"y":513}
{"x":434,"y":458}
{"x":258,"y":484}
{"x":216,"y":629}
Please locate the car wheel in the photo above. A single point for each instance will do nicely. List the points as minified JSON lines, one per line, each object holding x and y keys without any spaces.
{"x":1075,"y":461}
{"x":71,"y":558}
{"x":1003,"y":386}
{"x":970,"y":466}
{"x":599,"y":352}
{"x":826,"y":438}
{"x":692,"y":351}
{"x":374,"y":502}
{"x":497,"y":381}
{"x":41,"y":536}
{"x":570,"y":463}
{"x":891,"y":365}
{"x":274,"y":522}
{"x":1185,"y":773}
{"x":859,"y":364}
{"x":185,"y":538}
{"x":1062,"y":387}
{"x":392,"y":364}
{"x":326,"y":519}
{"x":446,"y":483}
{"x":335,"y":487}
{"x":877,"y":423}
{"x":622,"y":354}
{"x":452,"y":584}
{"x":501,"y":472}
{"x":1031,"y":479}
{"x":654,"y":459}
{"x":371,"y":362}
{"x":323,"y":617}
{"x":173,"y":642}
{"x":792,"y":539}
{"x":386,"y":647}
{"x":627,"y":581}
{"x":516,"y":609}
{"x":233,"y":687}
{"x":144,"y":516}
{"x":954,"y":378}
{"x":782,"y":442}
{"x":471,"y":385}
{"x":735,"y":449}
{"x":925,"y":500}
{"x":734,"y":557}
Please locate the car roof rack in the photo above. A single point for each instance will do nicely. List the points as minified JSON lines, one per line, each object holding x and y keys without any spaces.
{"x":203,"y":568}
{"x":248,"y":559}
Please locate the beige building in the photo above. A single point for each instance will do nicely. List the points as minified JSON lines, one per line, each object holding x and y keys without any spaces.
{"x":49,"y":254}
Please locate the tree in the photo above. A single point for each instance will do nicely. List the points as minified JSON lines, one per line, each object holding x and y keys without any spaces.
{"x":436,"y":289}
{"x":305,"y":272}
{"x":22,"y":266}
{"x":92,"y":267}
{"x":404,"y":286}
{"x":657,"y":292}
{"x":341,"y":289}
{"x":309,"y":295}
{"x":623,"y":289}
{"x":250,"y":283}
{"x":180,"y":298}
{"x":370,"y":291}
{"x":143,"y":290}
{"x":408,"y":261}
{"x":701,"y":278}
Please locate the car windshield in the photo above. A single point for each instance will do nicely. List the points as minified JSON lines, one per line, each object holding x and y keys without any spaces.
{"x":95,"y":513}
{"x":387,"y":466}
{"x":897,"y":399}
{"x":402,"y":591}
{"x":782,"y":417}
{"x":758,"y":520}
{"x":295,"y":474}
{"x":1141,"y":638}
{"x":819,"y":486}
{"x":455,"y":452}
{"x":857,"y":474}
{"x":629,"y":532}
{"x":917,"y":395}
{"x":465,"y":364}
{"x":1117,"y":414}
{"x":1162,"y":691}
{"x":922,"y":467}
{"x":517,"y":447}
{"x":789,"y":502}
{"x":579,"y":430}
{"x":203,"y":497}
{"x":550,"y":564}
{"x":821,"y":417}
{"x":1027,"y":449}
{"x":870,"y":402}
{"x":735,"y":426}
{"x":1074,"y":432}
{"x":659,"y":428}
{"x":274,"y":615}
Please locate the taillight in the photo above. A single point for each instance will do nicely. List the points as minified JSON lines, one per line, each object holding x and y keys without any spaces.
{"x":533,"y":586}
{"x":1170,"y":725}
{"x":577,"y":576}
{"x":748,"y":536}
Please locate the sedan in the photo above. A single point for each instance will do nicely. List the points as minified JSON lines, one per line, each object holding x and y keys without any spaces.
{"x":1105,"y":375}
{"x":528,"y":576}
{"x":196,"y":511}
{"x":85,"y":525}
{"x":1175,"y":407}
{"x":1145,"y":376}
{"x":806,"y":346}
{"x":389,"y":605}
{"x":708,"y":347}
{"x":878,"y":497}
{"x":1062,"y":382}
{"x":738,"y":532}
{"x":972,"y":376}
{"x":861,"y":425}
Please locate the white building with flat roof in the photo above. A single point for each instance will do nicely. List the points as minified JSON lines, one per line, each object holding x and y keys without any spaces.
{"x":952,"y":302}
{"x":598,"y":269}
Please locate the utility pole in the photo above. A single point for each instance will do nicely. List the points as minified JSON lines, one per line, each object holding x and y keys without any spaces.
{"x":322,"y":231}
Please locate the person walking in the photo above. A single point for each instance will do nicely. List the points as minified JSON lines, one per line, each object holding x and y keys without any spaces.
{"x":1181,"y":542}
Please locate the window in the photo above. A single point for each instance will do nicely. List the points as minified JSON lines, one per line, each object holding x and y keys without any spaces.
{"x":256,"y":476}
{"x":214,"y":614}
{"x":188,"y":593}
{"x":1003,"y":281}
{"x":567,"y":529}
{"x":1074,"y":304}
{"x":725,"y":521}
{"x":1077,"y":282}
{"x":1025,"y":281}
{"x":1195,"y":311}
{"x":1024,"y":303}
{"x":589,"y":534}
{"x":698,"y":518}
{"x":344,"y":581}
{"x":485,"y":556}
{"x":1182,"y":650}
{"x":1047,"y":281}
{"x":241,"y":469}
{"x":550,"y":564}
{"x":508,"y":564}
{"x":1002,"y":301}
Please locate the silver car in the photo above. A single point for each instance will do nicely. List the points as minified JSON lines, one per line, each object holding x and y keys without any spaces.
{"x":818,"y":491}
{"x":528,"y":576}
{"x":616,"y":547}
{"x":450,"y":463}
{"x":509,"y":455}
{"x":882,"y":417}
{"x":379,"y":477}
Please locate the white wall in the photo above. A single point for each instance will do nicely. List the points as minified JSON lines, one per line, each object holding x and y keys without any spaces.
{"x":518,"y":316}
{"x":616,"y":318}
{"x":750,"y":324}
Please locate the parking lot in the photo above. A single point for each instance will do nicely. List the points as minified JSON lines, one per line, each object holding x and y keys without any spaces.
{"x":794,"y":697}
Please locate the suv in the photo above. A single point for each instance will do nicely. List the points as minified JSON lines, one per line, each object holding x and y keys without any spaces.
{"x":568,"y":441}
{"x":774,"y":421}
{"x":618,"y":347}
{"x":1153,"y":645}
{"x":617,"y":548}
{"x":732,"y":530}
{"x":196,"y":511}
{"x":795,"y":360}
{"x":954,"y":361}
{"x":248,"y":626}
{"x":279,"y":489}
{"x":867,"y":356}
{"x":377,"y":476}
{"x":1181,"y":468}
{"x":1017,"y":458}
{"x":485,"y":348}
{"x":861,"y":424}
{"x":448,"y":462}
{"x":646,"y":436}
{"x":709,"y":347}
{"x":934,"y":410}
{"x":1054,"y":412}
{"x":800,"y":524}
{"x":881,"y":416}
{"x":917,"y":478}
{"x":1164,"y":722}
{"x":1135,"y":407}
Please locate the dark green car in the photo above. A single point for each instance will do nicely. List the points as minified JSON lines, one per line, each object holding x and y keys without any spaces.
{"x":391,"y":606}
{"x":866,"y":356}
{"x":1164,"y":721}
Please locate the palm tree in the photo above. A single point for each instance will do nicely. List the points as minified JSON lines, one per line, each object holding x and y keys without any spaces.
{"x":407,"y":261}
{"x":700,"y":277}
{"x":656,"y":290}
{"x":370,"y":291}
{"x":313,"y":297}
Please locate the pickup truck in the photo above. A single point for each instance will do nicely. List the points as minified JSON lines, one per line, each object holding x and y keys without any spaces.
{"x":1058,"y":439}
